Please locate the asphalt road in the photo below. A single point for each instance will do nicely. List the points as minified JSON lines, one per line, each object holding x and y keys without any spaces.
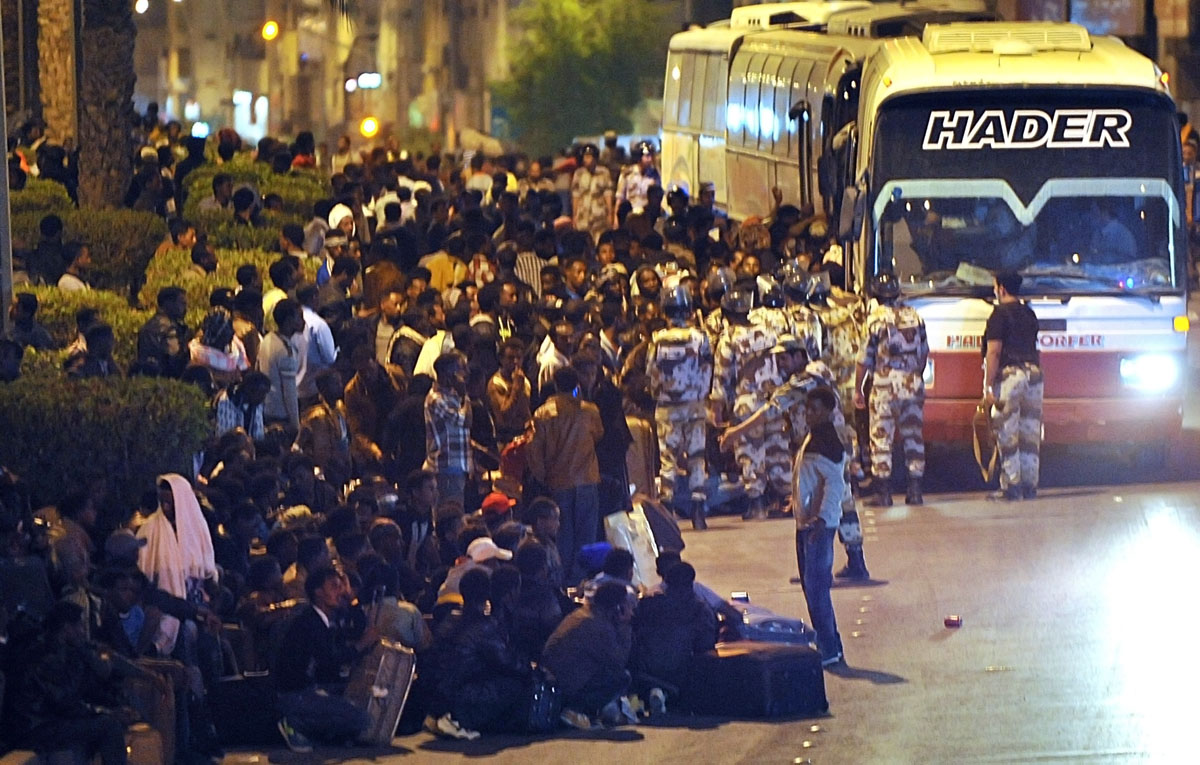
{"x":1077,"y":641}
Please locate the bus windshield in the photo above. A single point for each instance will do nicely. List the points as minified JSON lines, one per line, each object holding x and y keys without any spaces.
{"x":1076,"y":189}
{"x":949,"y":238}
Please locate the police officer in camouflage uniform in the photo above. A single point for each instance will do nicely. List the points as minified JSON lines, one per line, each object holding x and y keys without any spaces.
{"x":744,"y":373}
{"x":894,"y":356}
{"x":679,"y":365}
{"x":772,"y":314}
{"x":790,"y":399}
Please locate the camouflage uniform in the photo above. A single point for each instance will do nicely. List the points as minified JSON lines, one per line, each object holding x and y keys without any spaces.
{"x":807,"y":323}
{"x":745,"y":372}
{"x":894,"y":355}
{"x":1018,"y":424}
{"x":679,"y":364}
{"x":776,"y":449}
{"x":714,"y":325}
{"x":791,"y":398}
{"x":592,"y":189}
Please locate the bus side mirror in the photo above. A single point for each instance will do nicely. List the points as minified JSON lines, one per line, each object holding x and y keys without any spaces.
{"x":850,"y":221}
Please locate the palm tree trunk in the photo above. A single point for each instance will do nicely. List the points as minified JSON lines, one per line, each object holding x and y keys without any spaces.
{"x":56,"y":68}
{"x":106,"y":110}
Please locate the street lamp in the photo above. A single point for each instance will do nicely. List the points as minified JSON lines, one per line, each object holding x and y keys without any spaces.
{"x":369,"y":127}
{"x":141,"y":6}
{"x":270,"y":30}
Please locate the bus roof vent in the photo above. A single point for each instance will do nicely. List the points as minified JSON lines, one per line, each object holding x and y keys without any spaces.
{"x":775,"y":15}
{"x":1005,"y":38}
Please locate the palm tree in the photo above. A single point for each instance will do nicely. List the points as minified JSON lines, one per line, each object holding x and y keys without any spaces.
{"x":56,"y":68}
{"x":106,"y":109}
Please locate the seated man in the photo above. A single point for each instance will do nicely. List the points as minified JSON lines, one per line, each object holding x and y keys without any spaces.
{"x":669,"y":629}
{"x":61,"y":698}
{"x":308,"y":669}
{"x":618,"y":567}
{"x":539,"y":605}
{"x":479,"y":675}
{"x":587,"y":655}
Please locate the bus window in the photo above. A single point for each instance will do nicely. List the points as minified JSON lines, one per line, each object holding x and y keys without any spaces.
{"x":750,"y":102}
{"x":699,"y":96}
{"x":734,"y":121}
{"x":687,"y":74}
{"x":671,"y":89}
{"x":770,"y":127}
{"x":714,"y":95}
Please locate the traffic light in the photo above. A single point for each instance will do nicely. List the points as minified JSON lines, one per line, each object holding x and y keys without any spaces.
{"x":270,"y":30}
{"x":369,"y":127}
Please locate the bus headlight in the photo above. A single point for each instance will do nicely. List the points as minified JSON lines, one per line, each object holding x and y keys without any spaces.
{"x":1150,"y":372}
{"x":928,"y":374}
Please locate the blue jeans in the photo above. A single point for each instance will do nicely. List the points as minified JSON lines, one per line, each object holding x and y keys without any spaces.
{"x":453,"y":486}
{"x":814,"y":554}
{"x":323,"y":716}
{"x":579,"y":526}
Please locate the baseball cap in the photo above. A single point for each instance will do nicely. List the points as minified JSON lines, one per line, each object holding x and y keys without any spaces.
{"x":122,"y":544}
{"x":497,"y":503}
{"x":485,"y":549}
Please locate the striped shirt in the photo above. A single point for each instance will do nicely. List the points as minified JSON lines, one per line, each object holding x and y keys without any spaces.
{"x":529,"y":270}
{"x":447,"y":432}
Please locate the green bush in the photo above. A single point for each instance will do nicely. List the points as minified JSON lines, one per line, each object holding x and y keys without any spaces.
{"x":166,"y":270}
{"x":42,"y":197}
{"x":223,"y":234}
{"x":56,"y":312}
{"x":58,"y":431}
{"x":122,"y":242}
{"x":299,"y":188}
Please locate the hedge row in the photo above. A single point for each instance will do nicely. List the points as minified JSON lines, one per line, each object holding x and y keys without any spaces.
{"x":224,"y":234}
{"x":166,"y":270}
{"x":57,"y":431}
{"x":57,"y":309}
{"x":40,"y":196}
{"x":122,"y":242}
{"x":298,"y":188}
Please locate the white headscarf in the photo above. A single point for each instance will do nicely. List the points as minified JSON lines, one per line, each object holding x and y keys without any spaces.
{"x":173,"y":554}
{"x":339,"y":213}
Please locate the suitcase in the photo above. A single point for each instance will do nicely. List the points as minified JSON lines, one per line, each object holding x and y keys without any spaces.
{"x":663,"y":525}
{"x":155,"y":704}
{"x":757,"y":680}
{"x":762,"y":625}
{"x":144,"y":745}
{"x":245,"y":710}
{"x":380,"y":685}
{"x":631,"y":531}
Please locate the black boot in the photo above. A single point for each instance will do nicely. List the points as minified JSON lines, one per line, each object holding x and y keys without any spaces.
{"x":699,"y":522}
{"x":856,"y":566}
{"x":914,"y":492}
{"x":883,"y":497}
{"x":757,"y":510}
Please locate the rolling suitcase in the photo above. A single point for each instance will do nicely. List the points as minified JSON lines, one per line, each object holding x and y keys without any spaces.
{"x":756,"y":680}
{"x":380,"y":685}
{"x":144,"y":745}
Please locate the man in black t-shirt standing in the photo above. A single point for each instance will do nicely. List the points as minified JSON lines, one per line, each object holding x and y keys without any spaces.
{"x":1013,"y":384}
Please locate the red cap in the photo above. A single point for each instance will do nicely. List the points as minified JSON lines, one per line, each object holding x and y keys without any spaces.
{"x":497,"y":503}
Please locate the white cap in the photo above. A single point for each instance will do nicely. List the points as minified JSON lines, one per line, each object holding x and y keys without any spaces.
{"x":485,"y":549}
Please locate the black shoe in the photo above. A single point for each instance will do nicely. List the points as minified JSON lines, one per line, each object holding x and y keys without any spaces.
{"x":1028,"y":492}
{"x":883,"y":498}
{"x":757,"y":510}
{"x":1011,"y":494}
{"x":914,"y":492}
{"x":856,"y":566}
{"x":699,"y":522}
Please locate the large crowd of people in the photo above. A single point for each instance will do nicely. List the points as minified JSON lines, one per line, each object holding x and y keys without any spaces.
{"x":424,"y":443}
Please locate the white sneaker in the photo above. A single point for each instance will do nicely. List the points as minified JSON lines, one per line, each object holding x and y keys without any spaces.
{"x":835,"y":659}
{"x":627,"y":710}
{"x":658,"y":701}
{"x":446,"y":726}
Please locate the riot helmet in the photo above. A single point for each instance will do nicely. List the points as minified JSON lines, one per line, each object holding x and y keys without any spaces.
{"x":677,"y":303}
{"x":738,"y":301}
{"x":885,"y":286}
